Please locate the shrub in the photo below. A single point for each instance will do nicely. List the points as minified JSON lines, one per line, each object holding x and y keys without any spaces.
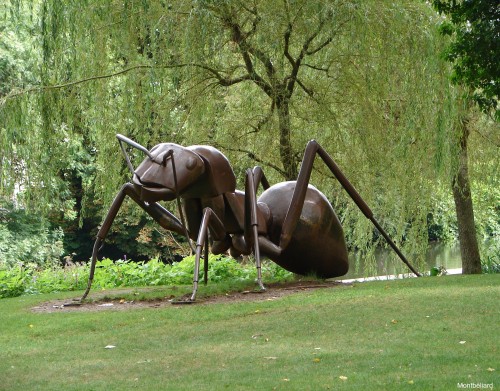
{"x":12,"y":283}
{"x":31,"y":279}
{"x":490,"y":260}
{"x":27,"y":238}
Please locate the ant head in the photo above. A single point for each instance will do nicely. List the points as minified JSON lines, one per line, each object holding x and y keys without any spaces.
{"x":168,"y":170}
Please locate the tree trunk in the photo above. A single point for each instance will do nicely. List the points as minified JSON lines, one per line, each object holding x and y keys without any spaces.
{"x":469,"y":249}
{"x":290,"y":165}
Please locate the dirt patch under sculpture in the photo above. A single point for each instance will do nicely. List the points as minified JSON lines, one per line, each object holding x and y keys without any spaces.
{"x":100,"y":303}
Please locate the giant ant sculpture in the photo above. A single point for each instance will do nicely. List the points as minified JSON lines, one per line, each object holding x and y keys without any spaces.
{"x":292,"y":223}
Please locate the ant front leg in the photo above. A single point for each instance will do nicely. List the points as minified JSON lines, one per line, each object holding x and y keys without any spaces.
{"x":299,"y":195}
{"x":162,"y":216}
{"x":211,"y":222}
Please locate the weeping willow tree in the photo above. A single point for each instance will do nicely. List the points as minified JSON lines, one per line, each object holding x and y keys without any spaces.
{"x":256,"y":79}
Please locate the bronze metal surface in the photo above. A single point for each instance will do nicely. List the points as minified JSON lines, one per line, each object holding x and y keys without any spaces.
{"x":292,"y":223}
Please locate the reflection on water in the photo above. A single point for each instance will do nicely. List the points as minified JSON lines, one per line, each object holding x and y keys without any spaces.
{"x":438,"y":254}
{"x":444,"y":254}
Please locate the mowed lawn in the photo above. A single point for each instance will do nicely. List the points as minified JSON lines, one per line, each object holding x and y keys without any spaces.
{"x":416,"y":334}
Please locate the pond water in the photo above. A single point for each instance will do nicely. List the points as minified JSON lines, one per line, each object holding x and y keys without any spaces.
{"x":438,"y":254}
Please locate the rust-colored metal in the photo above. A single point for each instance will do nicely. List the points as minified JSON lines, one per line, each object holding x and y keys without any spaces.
{"x":292,"y":223}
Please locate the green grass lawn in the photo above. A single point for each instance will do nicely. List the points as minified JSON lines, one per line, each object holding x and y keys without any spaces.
{"x":415,"y":334}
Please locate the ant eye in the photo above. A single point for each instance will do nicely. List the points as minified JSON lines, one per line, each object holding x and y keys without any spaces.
{"x":191,"y":163}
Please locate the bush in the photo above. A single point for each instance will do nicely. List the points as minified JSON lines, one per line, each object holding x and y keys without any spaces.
{"x":31,"y":279}
{"x":490,"y":259}
{"x":12,"y":283}
{"x":28,"y":238}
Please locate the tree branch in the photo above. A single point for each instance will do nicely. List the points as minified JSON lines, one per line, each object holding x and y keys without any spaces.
{"x":226,"y":82}
{"x":221,"y":79}
{"x":240,"y":38}
{"x":306,"y":90}
{"x":264,"y":120}
{"x":288,"y":33}
{"x":305,"y":51}
{"x":492,"y":142}
{"x":317,"y":68}
{"x":252,"y":156}
{"x":321,"y":46}
{"x":76,"y":82}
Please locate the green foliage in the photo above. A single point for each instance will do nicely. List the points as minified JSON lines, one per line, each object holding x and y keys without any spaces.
{"x":222,"y":268}
{"x":438,"y":271}
{"x":12,"y":282}
{"x":490,"y":256}
{"x":486,"y":196}
{"x":376,"y":96}
{"x":30,"y":279}
{"x":442,"y":219}
{"x":17,"y":36}
{"x":219,"y":268}
{"x":475,"y":28}
{"x":28,"y":238}
{"x":127,"y":273}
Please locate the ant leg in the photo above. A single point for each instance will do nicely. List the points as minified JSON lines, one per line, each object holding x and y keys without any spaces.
{"x":259,"y":178}
{"x":205,"y":266}
{"x":297,"y":201}
{"x":101,"y":235}
{"x":212,"y":222}
{"x":166,"y":219}
{"x":251,"y":221}
{"x":264,"y":243}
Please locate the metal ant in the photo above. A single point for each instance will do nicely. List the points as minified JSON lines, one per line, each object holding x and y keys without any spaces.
{"x":292,"y":223}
